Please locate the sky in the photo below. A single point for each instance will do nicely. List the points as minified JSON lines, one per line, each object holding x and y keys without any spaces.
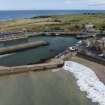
{"x":51,"y":4}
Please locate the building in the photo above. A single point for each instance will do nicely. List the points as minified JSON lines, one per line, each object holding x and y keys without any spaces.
{"x":89,"y":28}
{"x":98,"y":45}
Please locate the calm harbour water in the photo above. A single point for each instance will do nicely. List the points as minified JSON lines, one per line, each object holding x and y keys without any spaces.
{"x":56,"y":45}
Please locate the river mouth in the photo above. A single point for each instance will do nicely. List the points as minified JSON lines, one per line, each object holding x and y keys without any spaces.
{"x":56,"y":45}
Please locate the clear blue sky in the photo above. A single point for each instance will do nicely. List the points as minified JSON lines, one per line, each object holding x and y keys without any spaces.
{"x":51,"y":4}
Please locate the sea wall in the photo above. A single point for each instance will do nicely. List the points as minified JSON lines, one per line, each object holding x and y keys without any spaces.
{"x":36,"y":67}
{"x":22,"y":47}
{"x":92,"y":58}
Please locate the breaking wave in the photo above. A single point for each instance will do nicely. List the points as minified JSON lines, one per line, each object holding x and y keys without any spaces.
{"x":87,"y":81}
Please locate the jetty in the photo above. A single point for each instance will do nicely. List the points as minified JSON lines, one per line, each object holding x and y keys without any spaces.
{"x":60,"y":33}
{"x":53,"y":64}
{"x":20,"y":47}
{"x":18,"y":36}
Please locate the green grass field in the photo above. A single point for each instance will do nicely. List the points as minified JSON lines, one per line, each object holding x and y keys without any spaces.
{"x":67,"y":22}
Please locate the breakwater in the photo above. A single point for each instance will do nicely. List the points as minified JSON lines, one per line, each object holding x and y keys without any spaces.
{"x":59,"y":33}
{"x":35,"y":67}
{"x":22,"y":47}
{"x":18,"y":36}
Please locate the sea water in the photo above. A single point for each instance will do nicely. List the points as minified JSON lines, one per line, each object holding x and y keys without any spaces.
{"x":41,"y":88}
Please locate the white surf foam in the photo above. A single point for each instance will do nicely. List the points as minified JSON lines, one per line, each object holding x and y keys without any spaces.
{"x":87,"y":81}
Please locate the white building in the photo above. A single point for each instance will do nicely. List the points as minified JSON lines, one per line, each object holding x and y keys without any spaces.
{"x":89,"y":27}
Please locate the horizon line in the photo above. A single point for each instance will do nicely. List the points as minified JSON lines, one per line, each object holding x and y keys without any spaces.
{"x":46,"y":9}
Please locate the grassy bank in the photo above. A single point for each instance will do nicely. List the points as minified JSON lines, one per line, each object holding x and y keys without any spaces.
{"x":73,"y":22}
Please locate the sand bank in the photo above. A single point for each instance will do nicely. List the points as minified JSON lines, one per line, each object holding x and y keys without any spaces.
{"x":87,"y":81}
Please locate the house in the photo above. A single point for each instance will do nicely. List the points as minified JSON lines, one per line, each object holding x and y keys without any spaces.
{"x":89,"y":28}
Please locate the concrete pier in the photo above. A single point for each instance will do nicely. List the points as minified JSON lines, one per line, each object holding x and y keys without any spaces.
{"x":20,"y":47}
{"x":36,"y":67}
